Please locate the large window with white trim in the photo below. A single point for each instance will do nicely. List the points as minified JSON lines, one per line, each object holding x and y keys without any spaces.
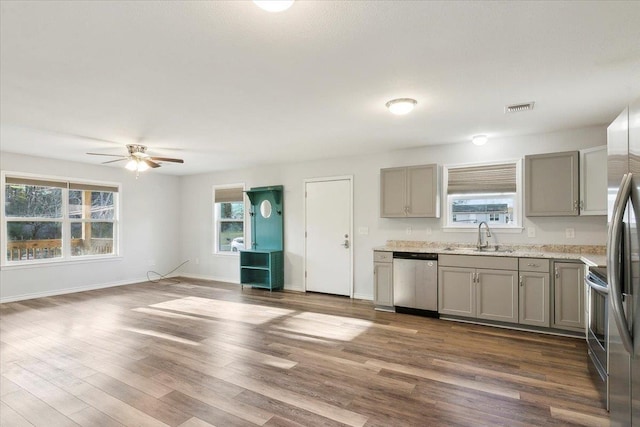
{"x":485,"y":192}
{"x":228,"y":218}
{"x":50,"y":219}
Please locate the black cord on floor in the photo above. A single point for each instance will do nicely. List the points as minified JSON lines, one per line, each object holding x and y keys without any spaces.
{"x":164,"y":276}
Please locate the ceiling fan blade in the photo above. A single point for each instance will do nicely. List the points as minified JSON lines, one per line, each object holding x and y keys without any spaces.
{"x":110,"y":155}
{"x":167,"y":159}
{"x":150,"y":163}
{"x":113,"y":161}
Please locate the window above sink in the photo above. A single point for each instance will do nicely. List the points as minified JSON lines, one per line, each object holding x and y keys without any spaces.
{"x":490,"y":192}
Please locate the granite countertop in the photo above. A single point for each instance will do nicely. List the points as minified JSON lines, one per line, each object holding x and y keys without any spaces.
{"x":591,"y":255}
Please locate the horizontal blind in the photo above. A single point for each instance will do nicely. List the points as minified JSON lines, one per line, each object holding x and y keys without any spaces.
{"x":92,"y":187}
{"x":483,"y":179}
{"x":36,"y":182}
{"x":228,"y":195}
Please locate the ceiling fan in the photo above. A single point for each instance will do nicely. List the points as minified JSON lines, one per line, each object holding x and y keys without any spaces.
{"x":138,"y":159}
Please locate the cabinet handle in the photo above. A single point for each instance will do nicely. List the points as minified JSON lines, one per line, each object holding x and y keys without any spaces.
{"x":521,"y":281}
{"x":557,"y":273}
{"x":576,"y":204}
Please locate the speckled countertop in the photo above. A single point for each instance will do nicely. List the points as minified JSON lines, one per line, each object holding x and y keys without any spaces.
{"x":591,"y":255}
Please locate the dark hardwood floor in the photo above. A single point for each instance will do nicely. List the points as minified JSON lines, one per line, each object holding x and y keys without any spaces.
{"x":201,"y":353}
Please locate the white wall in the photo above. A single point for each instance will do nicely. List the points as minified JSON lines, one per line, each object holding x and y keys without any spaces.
{"x":150,"y":231}
{"x":196,"y":232}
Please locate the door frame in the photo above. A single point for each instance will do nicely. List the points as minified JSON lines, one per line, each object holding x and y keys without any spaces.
{"x":351,"y":238}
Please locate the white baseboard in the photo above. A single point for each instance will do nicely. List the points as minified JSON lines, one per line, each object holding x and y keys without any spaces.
{"x":55,"y":292}
{"x":363,"y":296}
{"x":212,"y":278}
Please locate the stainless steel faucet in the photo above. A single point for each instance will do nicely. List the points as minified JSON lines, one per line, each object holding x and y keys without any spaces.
{"x":481,"y":245}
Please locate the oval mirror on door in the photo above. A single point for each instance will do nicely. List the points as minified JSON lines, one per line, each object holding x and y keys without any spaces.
{"x":265,"y":208}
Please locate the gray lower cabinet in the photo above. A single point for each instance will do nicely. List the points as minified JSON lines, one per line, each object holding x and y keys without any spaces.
{"x":483,"y":293}
{"x":534,"y":298}
{"x":568,"y":296}
{"x":456,"y":291}
{"x":383,"y":280}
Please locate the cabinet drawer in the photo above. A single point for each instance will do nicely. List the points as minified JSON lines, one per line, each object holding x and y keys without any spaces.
{"x":379,"y":256}
{"x":482,"y":261}
{"x":540,"y":265}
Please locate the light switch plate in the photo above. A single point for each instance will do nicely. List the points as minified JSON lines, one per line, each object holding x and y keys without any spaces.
{"x":531,"y":231}
{"x":408,"y":230}
{"x":570,"y":233}
{"x":363,"y":230}
{"x":429,"y":231}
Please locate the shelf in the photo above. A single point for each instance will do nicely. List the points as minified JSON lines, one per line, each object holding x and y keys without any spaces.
{"x":263,"y":269}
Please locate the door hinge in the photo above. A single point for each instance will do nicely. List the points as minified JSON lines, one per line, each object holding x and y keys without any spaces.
{"x":305,"y":274}
{"x":305,"y":234}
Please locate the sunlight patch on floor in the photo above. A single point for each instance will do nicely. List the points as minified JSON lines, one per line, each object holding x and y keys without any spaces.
{"x":156,"y":334}
{"x":224,"y":310}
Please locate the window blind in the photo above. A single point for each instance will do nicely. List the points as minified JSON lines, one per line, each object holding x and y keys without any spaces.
{"x":36,"y":182}
{"x":60,"y":184}
{"x":92,"y":187}
{"x":482,"y":179}
{"x":228,"y":195}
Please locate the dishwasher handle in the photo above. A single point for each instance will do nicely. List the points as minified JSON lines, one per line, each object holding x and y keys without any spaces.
{"x":415,"y":255}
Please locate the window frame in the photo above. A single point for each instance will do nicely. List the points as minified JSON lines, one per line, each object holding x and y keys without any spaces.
{"x":65,"y":220}
{"x":518,"y":205}
{"x":217,"y":221}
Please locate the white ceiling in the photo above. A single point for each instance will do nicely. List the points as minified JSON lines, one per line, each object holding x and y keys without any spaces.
{"x":224,"y":84}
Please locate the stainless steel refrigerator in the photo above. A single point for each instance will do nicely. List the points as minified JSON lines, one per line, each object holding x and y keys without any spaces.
{"x":623,"y":267}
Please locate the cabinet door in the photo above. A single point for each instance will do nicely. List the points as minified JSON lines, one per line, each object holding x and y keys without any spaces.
{"x":393,"y":191}
{"x":569,"y":296}
{"x":456,"y":291}
{"x":497,"y":295}
{"x":552,"y":184}
{"x":593,"y":181}
{"x":534,"y":299}
{"x":383,"y":283}
{"x":422,"y":191}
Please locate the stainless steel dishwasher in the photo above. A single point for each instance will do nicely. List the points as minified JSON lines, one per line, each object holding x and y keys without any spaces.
{"x":415,"y":282}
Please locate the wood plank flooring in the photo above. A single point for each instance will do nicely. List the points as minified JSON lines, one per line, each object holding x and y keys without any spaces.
{"x":198,"y":354}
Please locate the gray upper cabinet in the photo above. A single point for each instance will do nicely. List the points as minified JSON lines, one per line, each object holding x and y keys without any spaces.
{"x":409,"y":192}
{"x":593,"y":181}
{"x":552,"y":184}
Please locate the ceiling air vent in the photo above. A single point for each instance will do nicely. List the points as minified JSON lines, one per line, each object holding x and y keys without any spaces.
{"x":516,"y":108}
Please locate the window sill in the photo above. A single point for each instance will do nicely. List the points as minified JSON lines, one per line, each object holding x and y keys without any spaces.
{"x":227,"y":254}
{"x":59,"y":263}
{"x":496,"y":229}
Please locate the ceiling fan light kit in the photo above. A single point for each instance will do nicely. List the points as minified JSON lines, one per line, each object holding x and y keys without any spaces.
{"x":138,"y":159}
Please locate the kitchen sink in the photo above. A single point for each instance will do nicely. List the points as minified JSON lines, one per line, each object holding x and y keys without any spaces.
{"x":483,"y":250}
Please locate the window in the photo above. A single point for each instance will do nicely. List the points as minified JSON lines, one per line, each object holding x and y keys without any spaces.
{"x":228,"y":219}
{"x":56,"y":220}
{"x":489,"y":192}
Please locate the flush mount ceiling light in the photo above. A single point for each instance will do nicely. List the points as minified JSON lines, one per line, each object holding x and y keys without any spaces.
{"x":401,"y":105}
{"x":479,"y":139}
{"x":274,"y":5}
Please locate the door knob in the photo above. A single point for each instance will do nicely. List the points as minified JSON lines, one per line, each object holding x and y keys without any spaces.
{"x":346,"y":243}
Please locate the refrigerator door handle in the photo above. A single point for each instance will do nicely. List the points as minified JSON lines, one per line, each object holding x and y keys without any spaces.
{"x":613,"y":261}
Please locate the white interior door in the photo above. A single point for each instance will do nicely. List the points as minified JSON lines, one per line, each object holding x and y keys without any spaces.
{"x":328,"y":252}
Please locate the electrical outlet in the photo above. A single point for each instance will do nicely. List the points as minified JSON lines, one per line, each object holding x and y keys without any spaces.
{"x":363,"y":230}
{"x":531,"y":231}
{"x":408,"y":230}
{"x":570,"y":233}
{"x":197,"y":261}
{"x":429,"y":231}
